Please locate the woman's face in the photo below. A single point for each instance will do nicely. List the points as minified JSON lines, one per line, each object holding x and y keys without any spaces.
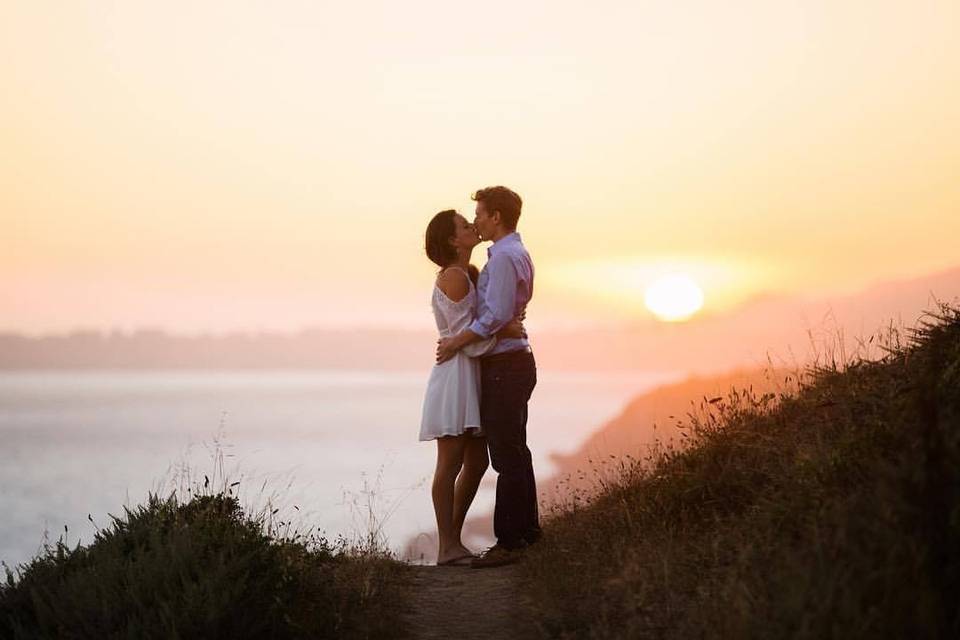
{"x":466,"y":236}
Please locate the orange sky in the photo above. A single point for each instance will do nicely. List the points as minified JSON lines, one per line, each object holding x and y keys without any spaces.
{"x":244,"y":165}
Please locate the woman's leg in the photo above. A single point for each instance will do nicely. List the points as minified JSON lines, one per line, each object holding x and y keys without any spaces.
{"x":475,"y":462}
{"x":449,"y":462}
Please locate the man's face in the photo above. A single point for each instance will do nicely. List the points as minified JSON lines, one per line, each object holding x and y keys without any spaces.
{"x":485,"y":223}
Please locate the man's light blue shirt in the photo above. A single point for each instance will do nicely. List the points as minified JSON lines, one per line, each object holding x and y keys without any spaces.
{"x":504,"y":289}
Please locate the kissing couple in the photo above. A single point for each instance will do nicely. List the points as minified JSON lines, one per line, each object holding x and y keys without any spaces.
{"x":476,"y":397}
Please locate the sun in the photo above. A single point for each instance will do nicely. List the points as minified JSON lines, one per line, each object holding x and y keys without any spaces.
{"x":673,"y":298}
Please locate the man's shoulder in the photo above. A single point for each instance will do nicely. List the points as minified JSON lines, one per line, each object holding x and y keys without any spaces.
{"x":514,"y":246}
{"x":511,"y":251}
{"x":519,"y":251}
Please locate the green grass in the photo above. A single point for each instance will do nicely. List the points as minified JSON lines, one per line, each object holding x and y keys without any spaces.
{"x":830,"y":513}
{"x":202,"y":569}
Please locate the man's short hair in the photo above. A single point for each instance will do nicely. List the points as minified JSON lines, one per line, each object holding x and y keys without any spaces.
{"x":501,"y":199}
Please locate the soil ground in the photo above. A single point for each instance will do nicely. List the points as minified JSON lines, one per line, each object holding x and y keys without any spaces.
{"x":460,"y":602}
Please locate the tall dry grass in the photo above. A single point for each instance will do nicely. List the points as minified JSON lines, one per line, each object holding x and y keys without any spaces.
{"x":829,"y":512}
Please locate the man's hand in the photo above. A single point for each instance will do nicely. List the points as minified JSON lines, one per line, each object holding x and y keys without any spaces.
{"x":446,"y":349}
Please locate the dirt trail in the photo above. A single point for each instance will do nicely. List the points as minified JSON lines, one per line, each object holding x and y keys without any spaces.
{"x":460,"y":602}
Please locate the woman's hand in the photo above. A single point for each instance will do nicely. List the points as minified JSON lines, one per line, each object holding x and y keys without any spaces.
{"x":514,"y":328}
{"x":446,"y":349}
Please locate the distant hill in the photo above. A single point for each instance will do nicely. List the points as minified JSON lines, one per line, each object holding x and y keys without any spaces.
{"x":153,"y":349}
{"x":742,"y":338}
{"x":775,"y":329}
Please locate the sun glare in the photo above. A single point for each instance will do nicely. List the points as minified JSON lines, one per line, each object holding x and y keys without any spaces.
{"x":674,"y":298}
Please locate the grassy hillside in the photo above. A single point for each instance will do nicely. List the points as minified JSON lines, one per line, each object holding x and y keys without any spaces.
{"x":203,"y":569}
{"x":833,"y":512}
{"x":645,"y":420}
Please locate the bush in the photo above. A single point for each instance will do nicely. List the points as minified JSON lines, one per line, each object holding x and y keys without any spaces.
{"x":199,"y":570}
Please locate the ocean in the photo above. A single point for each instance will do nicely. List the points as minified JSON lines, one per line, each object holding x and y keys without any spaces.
{"x":335,"y":451}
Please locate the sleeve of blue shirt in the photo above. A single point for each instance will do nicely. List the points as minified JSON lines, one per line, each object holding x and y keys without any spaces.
{"x":500,"y":296}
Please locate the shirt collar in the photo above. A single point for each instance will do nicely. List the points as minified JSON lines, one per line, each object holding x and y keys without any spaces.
{"x":502,"y":243}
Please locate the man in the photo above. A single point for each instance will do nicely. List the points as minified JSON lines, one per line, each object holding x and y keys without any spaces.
{"x":508,"y":373}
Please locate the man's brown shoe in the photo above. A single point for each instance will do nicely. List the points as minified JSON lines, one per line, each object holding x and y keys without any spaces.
{"x":496,"y":556}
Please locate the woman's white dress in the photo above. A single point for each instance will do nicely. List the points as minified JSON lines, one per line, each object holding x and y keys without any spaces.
{"x":451,"y":404}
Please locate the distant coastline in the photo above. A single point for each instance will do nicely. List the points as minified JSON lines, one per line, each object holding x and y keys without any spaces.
{"x":779,"y":326}
{"x":153,"y":349}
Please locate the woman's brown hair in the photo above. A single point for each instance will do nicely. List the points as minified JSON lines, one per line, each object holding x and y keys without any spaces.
{"x":440,"y":229}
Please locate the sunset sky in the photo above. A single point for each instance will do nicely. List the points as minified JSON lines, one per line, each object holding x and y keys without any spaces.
{"x":272,"y":165}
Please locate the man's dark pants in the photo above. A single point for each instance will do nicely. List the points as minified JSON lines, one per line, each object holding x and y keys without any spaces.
{"x":506,"y":383}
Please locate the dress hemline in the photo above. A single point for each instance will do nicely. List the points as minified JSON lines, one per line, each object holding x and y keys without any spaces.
{"x":474,"y":430}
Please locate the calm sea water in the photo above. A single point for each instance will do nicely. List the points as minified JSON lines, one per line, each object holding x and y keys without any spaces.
{"x":335,"y":445}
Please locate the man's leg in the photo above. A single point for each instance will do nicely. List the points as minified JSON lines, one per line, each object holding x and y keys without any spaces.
{"x":506,"y":385}
{"x":531,"y":531}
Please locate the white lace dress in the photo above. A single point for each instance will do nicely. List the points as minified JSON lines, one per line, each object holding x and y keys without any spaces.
{"x":451,"y":404}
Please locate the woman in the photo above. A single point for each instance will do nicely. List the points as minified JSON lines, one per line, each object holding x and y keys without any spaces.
{"x":451,"y":406}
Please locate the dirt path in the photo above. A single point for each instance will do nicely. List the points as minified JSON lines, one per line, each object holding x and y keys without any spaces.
{"x":459,"y":602}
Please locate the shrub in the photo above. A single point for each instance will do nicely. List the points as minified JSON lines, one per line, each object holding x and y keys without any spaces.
{"x":202,"y":569}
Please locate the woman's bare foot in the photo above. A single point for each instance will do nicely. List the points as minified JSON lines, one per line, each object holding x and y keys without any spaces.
{"x":456,"y":552}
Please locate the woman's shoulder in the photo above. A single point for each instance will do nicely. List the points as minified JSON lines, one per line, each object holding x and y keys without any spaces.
{"x":454,"y":283}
